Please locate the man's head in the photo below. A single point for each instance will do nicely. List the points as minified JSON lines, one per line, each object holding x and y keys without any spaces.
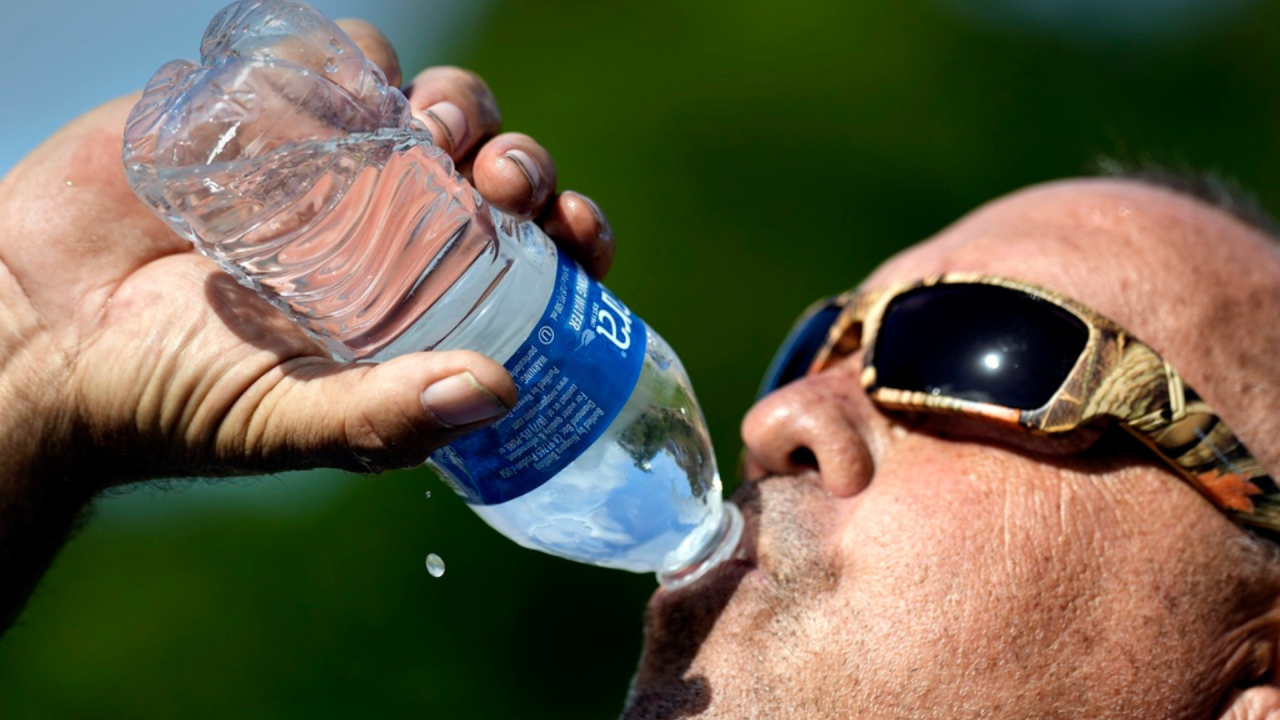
{"x":930,"y":567}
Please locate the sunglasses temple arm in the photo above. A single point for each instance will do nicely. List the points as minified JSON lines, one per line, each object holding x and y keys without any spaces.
{"x":1190,"y":436}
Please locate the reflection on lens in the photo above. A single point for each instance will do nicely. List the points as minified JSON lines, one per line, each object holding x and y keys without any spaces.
{"x":977,"y":342}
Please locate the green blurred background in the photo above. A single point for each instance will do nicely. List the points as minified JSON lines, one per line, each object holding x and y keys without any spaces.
{"x":752,"y":156}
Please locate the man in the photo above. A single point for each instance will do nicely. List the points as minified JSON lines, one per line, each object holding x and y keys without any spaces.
{"x":895,"y":565}
{"x":933,"y":566}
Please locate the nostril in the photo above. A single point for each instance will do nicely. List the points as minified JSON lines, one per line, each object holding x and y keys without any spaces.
{"x":812,"y":428}
{"x":803,"y":457}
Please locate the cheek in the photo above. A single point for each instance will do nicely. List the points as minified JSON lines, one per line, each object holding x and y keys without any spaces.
{"x":968,"y":559}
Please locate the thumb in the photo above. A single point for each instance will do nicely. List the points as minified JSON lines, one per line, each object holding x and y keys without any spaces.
{"x":364,"y":417}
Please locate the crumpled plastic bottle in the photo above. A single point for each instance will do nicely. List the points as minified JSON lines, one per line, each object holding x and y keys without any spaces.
{"x":285,"y":157}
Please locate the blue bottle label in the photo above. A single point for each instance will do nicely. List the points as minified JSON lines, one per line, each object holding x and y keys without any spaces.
{"x":575,"y":371}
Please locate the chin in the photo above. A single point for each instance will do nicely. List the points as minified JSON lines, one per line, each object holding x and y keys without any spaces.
{"x":689,"y":634}
{"x":736,"y":643}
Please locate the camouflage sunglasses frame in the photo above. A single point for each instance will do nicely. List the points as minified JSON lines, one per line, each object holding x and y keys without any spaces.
{"x":1117,"y":377}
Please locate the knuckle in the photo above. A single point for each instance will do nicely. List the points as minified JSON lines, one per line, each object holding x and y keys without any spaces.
{"x":470,"y":85}
{"x":450,"y":81}
{"x":384,"y":441}
{"x":464,"y":88}
{"x":362,"y":433}
{"x":467,"y":80}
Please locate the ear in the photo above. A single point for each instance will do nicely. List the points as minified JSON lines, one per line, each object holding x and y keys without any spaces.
{"x":1261,"y":702}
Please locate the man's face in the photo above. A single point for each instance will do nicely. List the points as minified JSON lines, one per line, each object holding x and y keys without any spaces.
{"x":926,"y":567}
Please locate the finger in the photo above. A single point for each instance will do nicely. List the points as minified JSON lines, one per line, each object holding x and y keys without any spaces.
{"x":514,"y":173}
{"x":575,"y":222}
{"x":457,"y":107}
{"x":315,"y":412}
{"x":375,"y":46}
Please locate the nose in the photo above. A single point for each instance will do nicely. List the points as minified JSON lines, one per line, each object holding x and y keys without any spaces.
{"x":812,"y":425}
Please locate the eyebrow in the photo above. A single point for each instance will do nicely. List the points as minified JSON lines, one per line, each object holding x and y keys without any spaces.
{"x":1210,"y":187}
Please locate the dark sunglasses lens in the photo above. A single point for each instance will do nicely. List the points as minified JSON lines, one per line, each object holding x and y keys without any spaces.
{"x":977,"y":342}
{"x":797,"y":352}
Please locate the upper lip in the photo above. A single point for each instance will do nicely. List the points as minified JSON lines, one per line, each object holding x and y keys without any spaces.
{"x":748,"y":497}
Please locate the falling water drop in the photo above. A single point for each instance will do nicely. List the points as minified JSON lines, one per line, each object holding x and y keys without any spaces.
{"x":337,"y":47}
{"x":330,"y":65}
{"x":428,"y":495}
{"x":435,"y":565}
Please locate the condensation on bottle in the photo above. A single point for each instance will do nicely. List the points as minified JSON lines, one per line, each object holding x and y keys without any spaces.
{"x":286,"y":158}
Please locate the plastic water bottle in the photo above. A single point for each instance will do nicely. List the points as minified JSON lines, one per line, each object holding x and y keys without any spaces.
{"x":284,"y":157}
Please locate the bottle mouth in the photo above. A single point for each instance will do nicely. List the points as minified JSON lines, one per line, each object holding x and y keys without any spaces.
{"x":719,"y":546}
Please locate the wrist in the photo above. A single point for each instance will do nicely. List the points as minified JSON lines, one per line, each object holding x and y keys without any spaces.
{"x":42,"y":491}
{"x":35,"y":425}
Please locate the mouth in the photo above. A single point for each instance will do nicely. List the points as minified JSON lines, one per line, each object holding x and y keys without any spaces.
{"x":721,"y":581}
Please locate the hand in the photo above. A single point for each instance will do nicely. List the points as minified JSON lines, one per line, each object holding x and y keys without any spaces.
{"x":124,"y":355}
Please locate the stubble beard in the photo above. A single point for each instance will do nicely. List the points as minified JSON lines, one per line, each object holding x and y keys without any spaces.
{"x":749,"y":646}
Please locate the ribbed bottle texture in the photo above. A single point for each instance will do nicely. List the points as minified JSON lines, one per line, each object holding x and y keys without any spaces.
{"x":286,"y":159}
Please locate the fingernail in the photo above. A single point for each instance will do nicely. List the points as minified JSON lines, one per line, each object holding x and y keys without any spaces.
{"x":461,"y":400}
{"x":450,"y":119}
{"x":605,"y":229}
{"x":526,"y":166}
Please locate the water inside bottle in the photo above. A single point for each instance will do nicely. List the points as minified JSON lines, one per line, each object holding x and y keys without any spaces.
{"x":645,"y":496}
{"x":308,"y":227}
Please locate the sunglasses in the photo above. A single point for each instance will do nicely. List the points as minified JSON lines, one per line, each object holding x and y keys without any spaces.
{"x":1023,"y":357}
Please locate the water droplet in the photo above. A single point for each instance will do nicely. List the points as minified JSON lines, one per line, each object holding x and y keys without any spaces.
{"x":435,"y":565}
{"x":337,"y":47}
{"x":330,"y":65}
{"x":428,"y":494}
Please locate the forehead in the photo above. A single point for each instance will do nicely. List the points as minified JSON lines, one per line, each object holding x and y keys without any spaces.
{"x":1196,"y":284}
{"x":1107,"y":243}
